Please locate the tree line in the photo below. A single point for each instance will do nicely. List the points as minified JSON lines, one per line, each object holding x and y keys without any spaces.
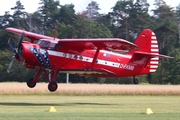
{"x":126,"y":20}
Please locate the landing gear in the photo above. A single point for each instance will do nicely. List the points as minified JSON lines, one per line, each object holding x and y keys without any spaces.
{"x":52,"y":80}
{"x":135,"y":80}
{"x":31,"y":83}
{"x":52,"y":86}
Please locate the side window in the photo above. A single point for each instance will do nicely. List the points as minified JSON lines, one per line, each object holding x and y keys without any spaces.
{"x":57,"y":47}
{"x":42,"y":43}
{"x":46,"y":44}
{"x":52,"y":46}
{"x":39,"y":42}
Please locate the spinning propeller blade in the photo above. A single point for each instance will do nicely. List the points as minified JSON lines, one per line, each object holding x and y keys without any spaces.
{"x":12,"y":46}
{"x":10,"y":65}
{"x":17,"y":50}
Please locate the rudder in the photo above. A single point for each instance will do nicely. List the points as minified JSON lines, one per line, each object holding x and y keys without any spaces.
{"x":147,"y":43}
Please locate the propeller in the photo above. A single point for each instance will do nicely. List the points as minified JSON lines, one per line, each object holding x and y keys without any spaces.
{"x":17,"y":50}
{"x":12,"y":46}
{"x":10,"y":65}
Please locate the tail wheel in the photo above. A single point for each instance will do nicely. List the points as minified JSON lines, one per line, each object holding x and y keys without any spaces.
{"x":31,"y":83}
{"x":135,"y":81}
{"x":52,"y":86}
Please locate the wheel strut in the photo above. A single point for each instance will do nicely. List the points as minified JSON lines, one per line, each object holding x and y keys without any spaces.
{"x":53,"y":84}
{"x":32,"y":81}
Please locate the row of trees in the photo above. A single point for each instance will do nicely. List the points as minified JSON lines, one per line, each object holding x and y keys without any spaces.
{"x":127,"y":19}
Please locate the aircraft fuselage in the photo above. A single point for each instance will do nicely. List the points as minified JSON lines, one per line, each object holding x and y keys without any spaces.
{"x":64,"y":59}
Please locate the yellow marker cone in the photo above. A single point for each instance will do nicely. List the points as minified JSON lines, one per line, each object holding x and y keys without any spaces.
{"x":149,"y":111}
{"x":52,"y":109}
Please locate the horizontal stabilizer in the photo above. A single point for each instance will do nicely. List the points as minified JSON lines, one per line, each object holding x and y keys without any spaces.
{"x":152,"y":54}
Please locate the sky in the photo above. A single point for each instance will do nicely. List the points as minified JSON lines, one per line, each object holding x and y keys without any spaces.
{"x":80,"y":5}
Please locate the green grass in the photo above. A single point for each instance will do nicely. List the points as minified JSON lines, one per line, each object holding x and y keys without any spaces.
{"x":36,"y":107}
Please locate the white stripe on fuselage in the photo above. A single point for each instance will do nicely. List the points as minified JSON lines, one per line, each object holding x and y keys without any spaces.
{"x":89,"y":59}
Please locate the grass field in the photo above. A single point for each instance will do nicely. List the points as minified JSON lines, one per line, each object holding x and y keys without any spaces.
{"x":89,"y":102}
{"x":88,"y":107}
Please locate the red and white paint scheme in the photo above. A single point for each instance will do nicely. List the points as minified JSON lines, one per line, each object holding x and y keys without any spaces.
{"x":95,"y":57}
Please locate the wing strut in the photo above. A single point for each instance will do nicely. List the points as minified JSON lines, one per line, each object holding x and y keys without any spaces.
{"x":95,"y":57}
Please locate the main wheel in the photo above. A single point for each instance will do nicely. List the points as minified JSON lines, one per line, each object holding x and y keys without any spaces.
{"x":135,"y":81}
{"x":52,"y":86}
{"x":31,"y":83}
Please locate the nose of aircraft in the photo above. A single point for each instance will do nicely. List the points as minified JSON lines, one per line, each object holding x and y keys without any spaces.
{"x":28,"y":54}
{"x":35,"y":56}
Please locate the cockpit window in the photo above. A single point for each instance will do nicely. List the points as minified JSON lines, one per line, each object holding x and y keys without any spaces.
{"x":43,"y":43}
{"x":46,"y":44}
{"x":39,"y":42}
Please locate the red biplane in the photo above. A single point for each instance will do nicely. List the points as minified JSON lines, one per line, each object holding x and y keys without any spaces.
{"x":83,"y":57}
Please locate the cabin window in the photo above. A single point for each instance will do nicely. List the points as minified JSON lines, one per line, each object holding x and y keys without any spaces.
{"x":57,"y":46}
{"x":42,"y":43}
{"x":46,"y":44}
{"x":52,"y":46}
{"x":39,"y":42}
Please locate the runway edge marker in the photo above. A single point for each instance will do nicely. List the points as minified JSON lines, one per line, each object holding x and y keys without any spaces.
{"x":149,"y":111}
{"x":52,"y":109}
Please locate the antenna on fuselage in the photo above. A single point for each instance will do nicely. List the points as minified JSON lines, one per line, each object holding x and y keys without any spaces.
{"x":55,"y":30}
{"x":72,"y":36}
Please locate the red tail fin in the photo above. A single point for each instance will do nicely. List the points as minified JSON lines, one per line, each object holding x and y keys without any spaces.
{"x":148,"y":45}
{"x":148,"y":54}
{"x":147,"y":41}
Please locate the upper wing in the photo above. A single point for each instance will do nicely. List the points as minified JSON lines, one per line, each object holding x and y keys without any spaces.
{"x":91,"y":44}
{"x":101,"y":43}
{"x":30,"y":35}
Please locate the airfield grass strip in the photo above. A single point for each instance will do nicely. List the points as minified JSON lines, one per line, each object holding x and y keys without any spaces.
{"x":95,"y":107}
{"x":91,"y":89}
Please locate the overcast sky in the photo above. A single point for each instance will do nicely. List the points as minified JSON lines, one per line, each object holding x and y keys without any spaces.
{"x":80,"y":5}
